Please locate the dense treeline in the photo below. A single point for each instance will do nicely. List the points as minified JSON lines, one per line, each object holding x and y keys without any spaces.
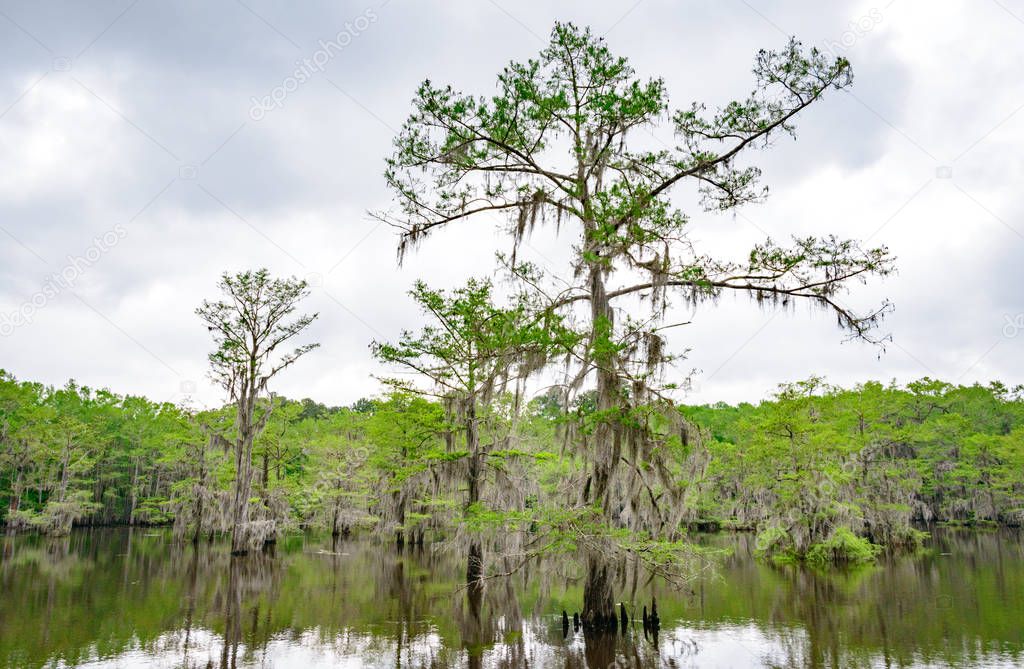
{"x":818,"y":472}
{"x":73,"y":455}
{"x":76,"y":456}
{"x":818,"y":467}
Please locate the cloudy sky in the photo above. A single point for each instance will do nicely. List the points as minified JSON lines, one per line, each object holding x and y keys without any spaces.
{"x":146,"y":147}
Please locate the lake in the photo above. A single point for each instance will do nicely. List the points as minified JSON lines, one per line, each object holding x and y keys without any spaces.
{"x":135,"y":598}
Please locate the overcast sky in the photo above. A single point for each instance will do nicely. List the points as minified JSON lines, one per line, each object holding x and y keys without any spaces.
{"x":146,"y":147}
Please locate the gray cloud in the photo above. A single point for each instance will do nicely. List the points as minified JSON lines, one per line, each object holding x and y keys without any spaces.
{"x":138,"y":114}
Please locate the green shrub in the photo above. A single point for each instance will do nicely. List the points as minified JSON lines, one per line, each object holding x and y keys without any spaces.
{"x":843,"y":547}
{"x":908,"y":539}
{"x":776,"y":544}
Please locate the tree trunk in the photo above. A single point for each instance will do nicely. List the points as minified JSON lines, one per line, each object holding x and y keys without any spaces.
{"x":199,"y":519}
{"x":598,"y":592}
{"x":243,"y":490}
{"x":335,"y":530}
{"x":14,"y":504}
{"x":102,"y":514}
{"x":400,"y":519}
{"x":64,"y":473}
{"x":474,"y":563}
{"x":133,"y":498}
{"x":475,"y":559}
{"x":243,"y":480}
{"x":200,"y":490}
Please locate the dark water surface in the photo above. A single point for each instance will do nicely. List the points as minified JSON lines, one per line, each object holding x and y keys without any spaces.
{"x":120,"y":598}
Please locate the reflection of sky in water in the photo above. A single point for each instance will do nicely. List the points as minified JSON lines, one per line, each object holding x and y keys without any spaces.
{"x":723,"y":647}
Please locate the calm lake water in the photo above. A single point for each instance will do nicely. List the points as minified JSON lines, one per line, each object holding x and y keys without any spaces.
{"x":119,"y":598}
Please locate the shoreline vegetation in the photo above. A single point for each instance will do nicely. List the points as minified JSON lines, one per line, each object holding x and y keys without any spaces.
{"x":820,"y":474}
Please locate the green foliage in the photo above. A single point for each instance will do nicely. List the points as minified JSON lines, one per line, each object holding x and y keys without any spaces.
{"x":843,"y":547}
{"x":775,"y":543}
{"x":807,"y":469}
{"x":72,"y":455}
{"x":873,"y":460}
{"x":249,"y":327}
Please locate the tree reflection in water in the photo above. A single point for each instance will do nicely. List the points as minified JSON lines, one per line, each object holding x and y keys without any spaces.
{"x":118,"y":598}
